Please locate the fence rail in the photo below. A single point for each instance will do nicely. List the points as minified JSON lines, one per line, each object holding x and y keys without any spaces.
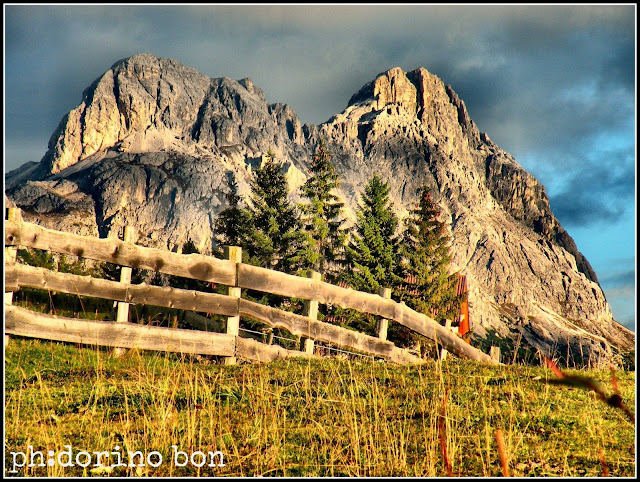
{"x":23,"y":322}
{"x":228,"y":272}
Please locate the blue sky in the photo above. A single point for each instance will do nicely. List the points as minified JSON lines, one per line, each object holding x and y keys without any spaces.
{"x":554,"y":86}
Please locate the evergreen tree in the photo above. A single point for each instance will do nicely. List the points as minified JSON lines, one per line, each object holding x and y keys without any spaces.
{"x":71,"y":265}
{"x":322,"y":216}
{"x":428,"y":286}
{"x":37,"y":257}
{"x":189,"y":283}
{"x":274,"y":237}
{"x":231,"y":224}
{"x":372,"y":253}
{"x":108,"y":271}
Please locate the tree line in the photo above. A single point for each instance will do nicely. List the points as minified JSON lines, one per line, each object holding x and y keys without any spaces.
{"x":412,"y":258}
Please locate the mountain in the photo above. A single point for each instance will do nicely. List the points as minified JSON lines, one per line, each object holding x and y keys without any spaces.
{"x":153,"y":143}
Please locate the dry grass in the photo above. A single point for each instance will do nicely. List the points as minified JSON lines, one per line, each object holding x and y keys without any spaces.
{"x":309,"y":418}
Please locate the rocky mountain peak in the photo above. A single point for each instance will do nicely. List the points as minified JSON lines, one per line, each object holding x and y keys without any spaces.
{"x":418,"y":92}
{"x":146,"y":103}
{"x":390,"y":87}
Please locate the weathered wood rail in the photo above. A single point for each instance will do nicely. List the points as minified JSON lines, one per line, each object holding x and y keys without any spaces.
{"x":228,"y":272}
{"x":23,"y":322}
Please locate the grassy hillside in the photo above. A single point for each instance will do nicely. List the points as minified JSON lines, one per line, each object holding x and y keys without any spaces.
{"x":325,"y":417}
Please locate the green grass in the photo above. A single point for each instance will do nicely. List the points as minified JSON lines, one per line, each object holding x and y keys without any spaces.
{"x":297,"y":417}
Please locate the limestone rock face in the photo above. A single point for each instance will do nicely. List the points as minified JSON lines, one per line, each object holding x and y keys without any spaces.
{"x":136,"y":94}
{"x":149,"y":104}
{"x":57,"y":204}
{"x":525,"y":273}
{"x":153,"y":144}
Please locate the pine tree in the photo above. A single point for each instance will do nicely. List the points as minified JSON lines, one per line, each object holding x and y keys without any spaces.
{"x":428,"y":286}
{"x":189,"y":247}
{"x":323,"y":215}
{"x":37,"y":257}
{"x":372,"y":253}
{"x":274,"y":237}
{"x":231,"y":224}
{"x":108,"y":271}
{"x":73,"y":265}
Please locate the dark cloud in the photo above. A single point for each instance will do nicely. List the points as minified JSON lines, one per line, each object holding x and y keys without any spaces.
{"x":629,"y":322}
{"x":618,"y":279}
{"x":621,"y":279}
{"x":622,"y":300}
{"x":551,"y":101}
{"x":599,"y":192}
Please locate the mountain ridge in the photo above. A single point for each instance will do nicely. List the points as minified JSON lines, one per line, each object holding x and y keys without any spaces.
{"x":153,"y":142}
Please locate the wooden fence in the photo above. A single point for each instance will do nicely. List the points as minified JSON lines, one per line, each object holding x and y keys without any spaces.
{"x":230,"y":272}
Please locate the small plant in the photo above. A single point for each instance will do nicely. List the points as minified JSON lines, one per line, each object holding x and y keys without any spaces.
{"x":442,"y":435}
{"x":588,"y":383}
{"x":502,"y":453}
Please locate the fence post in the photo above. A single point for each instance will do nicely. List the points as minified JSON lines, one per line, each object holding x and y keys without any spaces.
{"x":125,"y":277}
{"x":267,"y":336}
{"x":10,"y":255}
{"x":122,"y":315}
{"x":233,"y":253}
{"x":454,"y":329}
{"x":494,"y":353}
{"x":383,"y":323}
{"x":11,"y":252}
{"x":310,"y":311}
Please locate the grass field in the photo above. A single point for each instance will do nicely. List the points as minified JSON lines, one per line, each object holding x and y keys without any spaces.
{"x":326,"y":417}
